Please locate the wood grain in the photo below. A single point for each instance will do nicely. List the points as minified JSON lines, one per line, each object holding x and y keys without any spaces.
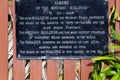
{"x":3,"y":40}
{"x":52,"y":70}
{"x":86,"y":68}
{"x":118,"y":23}
{"x":69,"y":69}
{"x":36,"y":70}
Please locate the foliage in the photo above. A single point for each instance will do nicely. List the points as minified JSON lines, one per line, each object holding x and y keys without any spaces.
{"x":9,"y":0}
{"x":107,"y":66}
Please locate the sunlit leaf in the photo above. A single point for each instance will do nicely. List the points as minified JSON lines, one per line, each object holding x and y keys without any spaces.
{"x":114,"y":47}
{"x":96,"y":76}
{"x":103,"y":58}
{"x":110,"y":73}
{"x":116,"y":76}
{"x":103,"y":76}
{"x":110,"y":15}
{"x":102,"y":66}
{"x":117,"y":65}
{"x":108,"y":68}
{"x":113,"y":15}
{"x":10,"y":0}
{"x":117,"y":36}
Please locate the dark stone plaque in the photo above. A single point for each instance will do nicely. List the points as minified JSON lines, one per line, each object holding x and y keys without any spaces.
{"x":61,"y":29}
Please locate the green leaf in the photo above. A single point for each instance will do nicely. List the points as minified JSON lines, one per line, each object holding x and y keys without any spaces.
{"x":113,"y":54}
{"x":110,"y":73}
{"x":10,"y":0}
{"x":108,"y":68}
{"x":102,"y":66}
{"x":102,"y":75}
{"x":103,"y":58}
{"x":116,"y":76}
{"x":114,"y":47}
{"x":60,"y":76}
{"x":117,"y":36}
{"x":117,"y":65}
{"x":113,"y":15}
{"x":116,"y":15}
{"x":96,"y":76}
{"x":96,"y":68}
{"x":113,"y":9}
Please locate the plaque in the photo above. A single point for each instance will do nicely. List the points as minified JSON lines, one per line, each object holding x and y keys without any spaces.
{"x":61,"y":29}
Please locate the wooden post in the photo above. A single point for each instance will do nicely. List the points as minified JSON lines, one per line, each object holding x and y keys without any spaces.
{"x":69,"y":69}
{"x":86,"y":68}
{"x":52,"y":70}
{"x":118,"y":23}
{"x":36,"y":70}
{"x":3,"y":40}
{"x":18,"y":65}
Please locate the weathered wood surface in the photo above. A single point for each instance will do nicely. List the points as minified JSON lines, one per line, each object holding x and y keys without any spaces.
{"x":3,"y":40}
